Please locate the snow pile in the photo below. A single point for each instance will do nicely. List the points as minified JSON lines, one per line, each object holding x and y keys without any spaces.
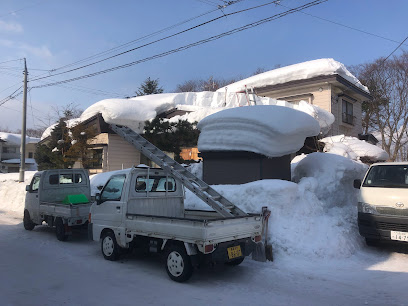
{"x":12,"y":193}
{"x":314,"y":218}
{"x":265,"y":129}
{"x":353,"y":148}
{"x":15,"y":139}
{"x":301,"y":71}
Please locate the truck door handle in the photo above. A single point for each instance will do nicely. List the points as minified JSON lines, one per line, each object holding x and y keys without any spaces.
{"x":117,"y":207}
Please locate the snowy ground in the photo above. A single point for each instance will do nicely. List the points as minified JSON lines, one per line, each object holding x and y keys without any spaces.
{"x":319,"y":257}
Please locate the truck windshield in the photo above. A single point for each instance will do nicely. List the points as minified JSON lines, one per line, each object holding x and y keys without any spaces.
{"x":387,"y":176}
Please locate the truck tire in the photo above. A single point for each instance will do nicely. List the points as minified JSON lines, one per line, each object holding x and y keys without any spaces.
{"x":178,"y":264}
{"x":235,"y":262}
{"x":28,"y":223}
{"x":109,"y":246}
{"x":60,"y":229}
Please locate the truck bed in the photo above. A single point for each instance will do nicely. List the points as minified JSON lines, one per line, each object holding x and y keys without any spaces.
{"x":197,"y":227}
{"x":58,"y":209}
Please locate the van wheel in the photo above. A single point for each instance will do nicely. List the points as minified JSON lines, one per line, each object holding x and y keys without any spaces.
{"x":28,"y":223}
{"x":178,"y":264}
{"x":235,"y":262}
{"x":60,"y":230}
{"x":109,"y":246}
{"x":371,"y":242}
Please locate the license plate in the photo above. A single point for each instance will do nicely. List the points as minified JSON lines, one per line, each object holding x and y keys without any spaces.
{"x":234,"y":252}
{"x":400,"y":236}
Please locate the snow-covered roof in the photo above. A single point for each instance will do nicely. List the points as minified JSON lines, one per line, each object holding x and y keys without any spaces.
{"x":15,"y":139}
{"x":301,"y":71}
{"x":70,"y":123}
{"x":353,"y":148}
{"x":17,"y":161}
{"x":265,"y":129}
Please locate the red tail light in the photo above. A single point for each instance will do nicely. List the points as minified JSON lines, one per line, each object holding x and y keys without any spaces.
{"x":208,"y":248}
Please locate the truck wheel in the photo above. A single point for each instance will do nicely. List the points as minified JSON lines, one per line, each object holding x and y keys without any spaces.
{"x":235,"y":262}
{"x":60,"y":230}
{"x":178,"y":264}
{"x":371,"y":242}
{"x":28,"y":223}
{"x":109,"y":246}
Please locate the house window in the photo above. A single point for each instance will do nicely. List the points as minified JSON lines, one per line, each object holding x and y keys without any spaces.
{"x":30,"y":154}
{"x":9,"y":150}
{"x":347,"y":112}
{"x":96,"y":159}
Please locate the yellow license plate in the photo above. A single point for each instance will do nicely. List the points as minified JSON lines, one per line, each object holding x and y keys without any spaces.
{"x":234,"y":252}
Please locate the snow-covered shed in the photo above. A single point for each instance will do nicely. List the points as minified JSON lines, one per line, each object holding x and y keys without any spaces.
{"x":324,"y":82}
{"x":245,"y":144}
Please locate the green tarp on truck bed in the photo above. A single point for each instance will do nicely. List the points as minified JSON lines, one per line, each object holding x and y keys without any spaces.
{"x":75,"y":199}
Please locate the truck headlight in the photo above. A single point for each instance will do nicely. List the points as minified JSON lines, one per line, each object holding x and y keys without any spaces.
{"x":367,"y":208}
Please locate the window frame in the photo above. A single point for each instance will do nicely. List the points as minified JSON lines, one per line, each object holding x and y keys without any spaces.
{"x":121,"y":192}
{"x":148,"y":177}
{"x":346,"y":115}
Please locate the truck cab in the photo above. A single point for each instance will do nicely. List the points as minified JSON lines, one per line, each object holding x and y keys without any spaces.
{"x":383,"y":203}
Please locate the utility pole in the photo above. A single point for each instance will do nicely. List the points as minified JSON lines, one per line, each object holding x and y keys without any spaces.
{"x":23,"y":128}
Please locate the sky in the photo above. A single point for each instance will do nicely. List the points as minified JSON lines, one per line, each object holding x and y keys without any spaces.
{"x":51,"y":34}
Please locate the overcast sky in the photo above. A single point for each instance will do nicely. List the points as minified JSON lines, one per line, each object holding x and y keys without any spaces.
{"x":54,"y":33}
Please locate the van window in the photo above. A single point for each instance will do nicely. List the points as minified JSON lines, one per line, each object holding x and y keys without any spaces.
{"x":35,"y":184}
{"x":155,"y":184}
{"x":387,"y":176}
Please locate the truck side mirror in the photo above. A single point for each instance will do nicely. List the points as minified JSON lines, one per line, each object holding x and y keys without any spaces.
{"x":357,"y":184}
{"x":28,"y":188}
{"x":98,"y":199}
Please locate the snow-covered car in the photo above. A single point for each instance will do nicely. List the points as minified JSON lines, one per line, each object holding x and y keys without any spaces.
{"x":60,"y":198}
{"x":383,"y":203}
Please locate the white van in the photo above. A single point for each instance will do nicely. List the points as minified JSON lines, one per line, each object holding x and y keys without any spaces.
{"x":383,"y":203}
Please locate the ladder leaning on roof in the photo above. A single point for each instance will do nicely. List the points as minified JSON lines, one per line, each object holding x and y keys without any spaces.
{"x":170,"y":166}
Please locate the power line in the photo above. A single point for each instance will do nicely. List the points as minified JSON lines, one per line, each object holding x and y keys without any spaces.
{"x":142,"y":38}
{"x":26,"y":7}
{"x":161,"y":39}
{"x":19,"y":59}
{"x":212,"y":38}
{"x":396,"y":48}
{"x":343,"y":25}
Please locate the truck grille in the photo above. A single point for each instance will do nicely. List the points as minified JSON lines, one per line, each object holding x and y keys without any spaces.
{"x":392,"y":211}
{"x":392,"y":226}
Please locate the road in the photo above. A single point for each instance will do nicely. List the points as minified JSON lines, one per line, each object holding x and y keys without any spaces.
{"x":37,"y":269}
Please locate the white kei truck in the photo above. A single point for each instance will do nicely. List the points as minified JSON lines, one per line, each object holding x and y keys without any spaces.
{"x":59,"y":197}
{"x":383,"y":203}
{"x":143,"y":208}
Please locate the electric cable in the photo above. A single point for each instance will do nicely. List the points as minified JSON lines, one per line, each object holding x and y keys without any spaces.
{"x":185,"y":47}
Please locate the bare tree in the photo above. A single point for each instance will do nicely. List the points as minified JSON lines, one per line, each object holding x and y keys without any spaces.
{"x":387,"y":114}
{"x":210,"y":84}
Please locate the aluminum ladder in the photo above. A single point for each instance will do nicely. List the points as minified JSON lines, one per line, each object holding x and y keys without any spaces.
{"x":170,"y":166}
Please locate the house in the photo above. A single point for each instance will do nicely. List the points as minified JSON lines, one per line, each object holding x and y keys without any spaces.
{"x":10,"y":152}
{"x":325,"y":83}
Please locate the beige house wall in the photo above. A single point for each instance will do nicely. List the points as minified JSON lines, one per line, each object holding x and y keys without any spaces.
{"x":121,"y":154}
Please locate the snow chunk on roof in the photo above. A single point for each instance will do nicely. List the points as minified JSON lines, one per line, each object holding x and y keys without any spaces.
{"x":301,"y":71}
{"x":265,"y":129}
{"x":70,"y":123}
{"x":353,"y":148}
{"x":15,"y":139}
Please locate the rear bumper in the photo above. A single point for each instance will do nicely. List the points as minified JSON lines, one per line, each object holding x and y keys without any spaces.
{"x":380,"y":226}
{"x":220,"y":254}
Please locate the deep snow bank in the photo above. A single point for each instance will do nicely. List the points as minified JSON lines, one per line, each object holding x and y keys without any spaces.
{"x":12,"y":193}
{"x":314,"y":218}
{"x":265,"y":129}
{"x":353,"y":148}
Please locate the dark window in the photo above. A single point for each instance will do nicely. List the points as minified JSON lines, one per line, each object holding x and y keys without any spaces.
{"x":9,"y":150}
{"x":155,"y":184}
{"x":347,"y":112}
{"x":113,"y":188}
{"x":387,"y":176}
{"x":30,"y":154}
{"x":95,"y":158}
